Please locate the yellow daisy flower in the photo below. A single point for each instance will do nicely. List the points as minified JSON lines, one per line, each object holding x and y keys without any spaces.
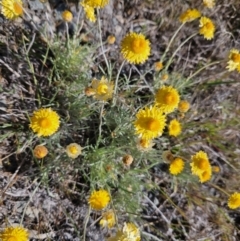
{"x":189,"y":15}
{"x":200,"y":163}
{"x":96,"y":3}
{"x":14,"y":234}
{"x":145,"y":145}
{"x":45,"y":122}
{"x":129,"y":232}
{"x":234,"y":60}
{"x":40,"y":151}
{"x":99,"y":199}
{"x":108,"y":219}
{"x":174,"y":128}
{"x":73,"y":150}
{"x":207,"y":28}
{"x":89,"y":11}
{"x":183,"y":106}
{"x":150,"y":123}
{"x":176,"y":166}
{"x":103,"y":89}
{"x":206,"y":175}
{"x":234,"y":200}
{"x":12,"y":9}
{"x":167,"y":98}
{"x":67,"y":16}
{"x":135,"y":48}
{"x":209,"y":3}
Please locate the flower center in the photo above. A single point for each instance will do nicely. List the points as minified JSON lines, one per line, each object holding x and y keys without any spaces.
{"x":236,"y":58}
{"x":169,"y":98}
{"x":209,"y":26}
{"x":18,"y":8}
{"x":102,"y":89}
{"x":73,"y":149}
{"x":202,"y":164}
{"x":137,"y":46}
{"x":45,"y":123}
{"x":153,"y":125}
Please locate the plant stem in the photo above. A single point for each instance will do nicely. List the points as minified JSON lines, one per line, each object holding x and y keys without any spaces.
{"x":85,"y":224}
{"x":171,"y":41}
{"x":101,"y":42}
{"x":179,"y":47}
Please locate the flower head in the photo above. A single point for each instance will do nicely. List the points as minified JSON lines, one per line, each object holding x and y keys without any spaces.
{"x":89,"y":11}
{"x":201,"y":166}
{"x":135,"y":48}
{"x":174,"y":128}
{"x":111,"y":39}
{"x":189,"y":15}
{"x":234,"y":60}
{"x":99,"y":199}
{"x":167,"y":98}
{"x":145,"y":145}
{"x":129,"y":232}
{"x":14,"y":234}
{"x":12,"y":9}
{"x":73,"y":150}
{"x":234,"y":200}
{"x":207,"y":28}
{"x":150,"y":123}
{"x":183,"y":106}
{"x":44,"y":121}
{"x":40,"y":151}
{"x":176,"y":166}
{"x":209,"y":3}
{"x":127,"y":160}
{"x":103,"y":89}
{"x":167,"y":156}
{"x":96,"y":3}
{"x":108,"y":219}
{"x":67,"y":16}
{"x":158,"y":66}
{"x":216,"y":169}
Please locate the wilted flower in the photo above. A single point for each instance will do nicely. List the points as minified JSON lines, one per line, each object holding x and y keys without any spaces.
{"x":108,"y":219}
{"x":183,"y":106}
{"x":216,"y":169}
{"x":135,"y":48}
{"x":98,"y":200}
{"x":14,"y":234}
{"x":12,"y":9}
{"x":129,"y":232}
{"x":176,"y":166}
{"x":67,"y":16}
{"x":103,"y":89}
{"x":189,"y":15}
{"x":40,"y":151}
{"x":150,"y":123}
{"x":127,"y":160}
{"x":73,"y":150}
{"x":207,"y":28}
{"x":234,"y":200}
{"x":167,"y":156}
{"x":167,"y":99}
{"x":44,"y":121}
{"x":174,"y":128}
{"x":145,"y":145}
